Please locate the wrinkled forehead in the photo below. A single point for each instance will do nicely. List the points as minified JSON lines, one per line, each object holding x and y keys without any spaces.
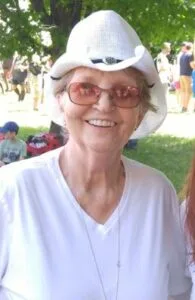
{"x":124,"y":76}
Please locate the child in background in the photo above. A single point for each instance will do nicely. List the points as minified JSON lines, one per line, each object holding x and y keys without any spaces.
{"x":11,"y":148}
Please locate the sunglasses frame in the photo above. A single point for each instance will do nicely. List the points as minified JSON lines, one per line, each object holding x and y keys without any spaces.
{"x":103,"y":90}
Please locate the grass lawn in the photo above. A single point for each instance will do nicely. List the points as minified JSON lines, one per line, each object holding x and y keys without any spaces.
{"x":171,"y":155}
{"x":26,"y":131}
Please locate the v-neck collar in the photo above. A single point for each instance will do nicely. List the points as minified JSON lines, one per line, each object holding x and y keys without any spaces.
{"x":111,"y":221}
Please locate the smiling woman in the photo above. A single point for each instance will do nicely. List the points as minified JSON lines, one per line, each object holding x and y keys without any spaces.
{"x":108,"y":100}
{"x":83,"y":222}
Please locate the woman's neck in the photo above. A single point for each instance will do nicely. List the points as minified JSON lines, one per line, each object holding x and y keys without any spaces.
{"x":95,"y":179}
{"x":90,"y":168}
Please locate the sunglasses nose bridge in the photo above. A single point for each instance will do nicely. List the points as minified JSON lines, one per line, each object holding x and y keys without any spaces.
{"x":108,"y":92}
{"x":105,"y":99}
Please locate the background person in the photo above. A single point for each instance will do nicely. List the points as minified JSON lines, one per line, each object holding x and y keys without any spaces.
{"x":186,"y":67}
{"x":11,"y":148}
{"x":47,"y":62}
{"x":7,"y":65}
{"x":163,"y":66}
{"x":19,"y":76}
{"x":35,"y":69}
{"x":84,"y":211}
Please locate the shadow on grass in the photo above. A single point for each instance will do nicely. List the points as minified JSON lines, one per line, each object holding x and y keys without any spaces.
{"x":171,"y":155}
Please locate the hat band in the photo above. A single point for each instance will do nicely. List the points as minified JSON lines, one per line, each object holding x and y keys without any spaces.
{"x":106,"y":60}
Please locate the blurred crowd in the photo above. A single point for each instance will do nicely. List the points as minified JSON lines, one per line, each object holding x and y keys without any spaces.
{"x":21,"y":75}
{"x":177,"y":73}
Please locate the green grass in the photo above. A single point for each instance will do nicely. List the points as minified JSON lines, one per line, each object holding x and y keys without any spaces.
{"x":26,"y":131}
{"x":171,"y":155}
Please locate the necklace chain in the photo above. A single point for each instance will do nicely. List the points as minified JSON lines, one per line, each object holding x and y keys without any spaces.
{"x":118,"y":264}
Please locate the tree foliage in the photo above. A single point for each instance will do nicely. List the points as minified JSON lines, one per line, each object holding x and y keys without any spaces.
{"x":155,"y":21}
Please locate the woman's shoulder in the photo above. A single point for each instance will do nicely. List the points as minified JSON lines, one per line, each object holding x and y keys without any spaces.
{"x":25,"y":182}
{"x":34,"y":163}
{"x":23,"y":172}
{"x":145,"y":172}
{"x":150,"y":186}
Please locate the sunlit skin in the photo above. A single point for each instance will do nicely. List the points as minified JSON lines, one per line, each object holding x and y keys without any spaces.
{"x":91,"y":160}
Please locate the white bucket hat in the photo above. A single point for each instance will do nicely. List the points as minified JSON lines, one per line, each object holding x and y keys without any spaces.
{"x":105,"y":41}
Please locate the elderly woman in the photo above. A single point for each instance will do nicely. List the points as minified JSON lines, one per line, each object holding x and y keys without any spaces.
{"x":83,"y":222}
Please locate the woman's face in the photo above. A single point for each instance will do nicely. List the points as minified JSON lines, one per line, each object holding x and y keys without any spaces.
{"x":101,"y":126}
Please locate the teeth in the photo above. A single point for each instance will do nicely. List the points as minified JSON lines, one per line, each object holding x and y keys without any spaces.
{"x":102,"y":123}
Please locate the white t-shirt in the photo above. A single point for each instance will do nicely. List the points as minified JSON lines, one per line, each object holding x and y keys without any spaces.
{"x":44,"y":250}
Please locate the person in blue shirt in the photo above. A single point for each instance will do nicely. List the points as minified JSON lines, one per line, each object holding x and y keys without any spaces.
{"x":11,"y":148}
{"x":186,"y":67}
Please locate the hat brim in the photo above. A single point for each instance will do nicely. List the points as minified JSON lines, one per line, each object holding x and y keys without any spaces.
{"x":141,"y":61}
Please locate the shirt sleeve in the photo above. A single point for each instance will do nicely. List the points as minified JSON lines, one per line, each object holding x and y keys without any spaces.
{"x":179,"y":283}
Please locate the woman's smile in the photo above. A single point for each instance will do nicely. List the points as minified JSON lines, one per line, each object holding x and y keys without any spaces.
{"x":101,"y":123}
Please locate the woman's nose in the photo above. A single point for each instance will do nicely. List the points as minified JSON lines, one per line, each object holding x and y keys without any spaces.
{"x":105,"y":102}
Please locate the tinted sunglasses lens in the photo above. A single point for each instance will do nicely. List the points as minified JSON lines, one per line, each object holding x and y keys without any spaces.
{"x":84,"y":93}
{"x":126,"y":96}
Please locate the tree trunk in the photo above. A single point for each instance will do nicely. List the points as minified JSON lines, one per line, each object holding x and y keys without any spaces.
{"x":61,"y":20}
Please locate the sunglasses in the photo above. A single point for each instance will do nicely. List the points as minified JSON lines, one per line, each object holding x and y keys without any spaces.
{"x":84,"y":93}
